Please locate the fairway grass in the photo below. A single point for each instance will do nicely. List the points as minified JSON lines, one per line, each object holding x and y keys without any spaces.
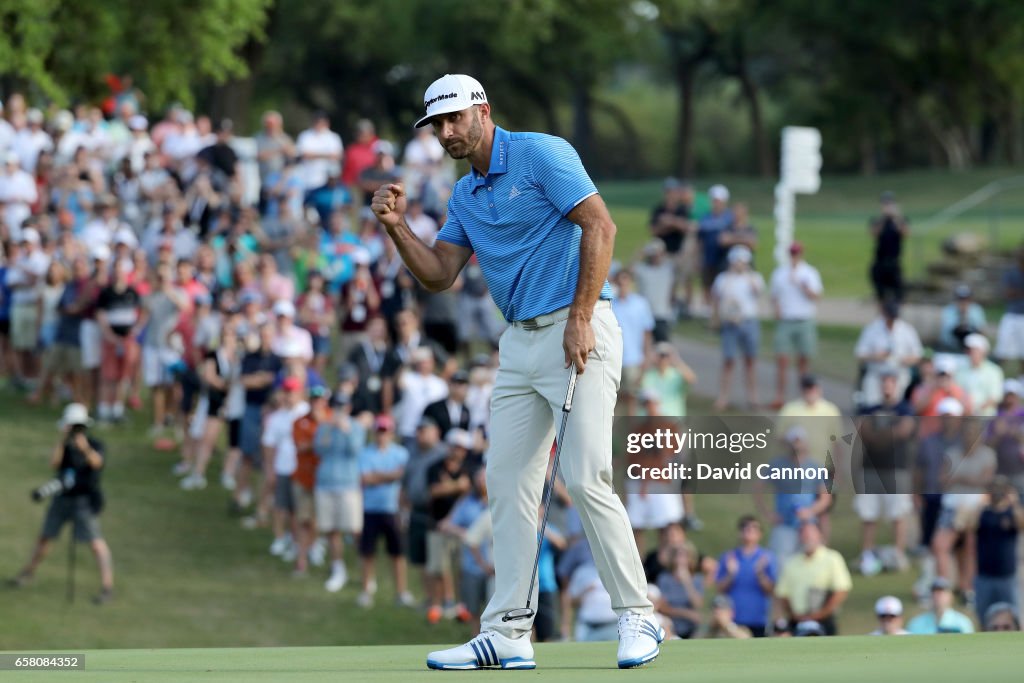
{"x":790,"y":660}
{"x":833,"y":224}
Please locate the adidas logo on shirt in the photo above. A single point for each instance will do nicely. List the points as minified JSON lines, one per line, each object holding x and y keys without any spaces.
{"x":514,"y":193}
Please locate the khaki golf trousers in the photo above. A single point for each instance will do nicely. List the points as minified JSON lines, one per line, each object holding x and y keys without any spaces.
{"x":526,"y":409}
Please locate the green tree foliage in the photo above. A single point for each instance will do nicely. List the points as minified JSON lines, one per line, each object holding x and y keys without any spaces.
{"x":62,"y":49}
{"x":921,"y":82}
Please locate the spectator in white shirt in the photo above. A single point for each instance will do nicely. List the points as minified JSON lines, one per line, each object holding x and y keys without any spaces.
{"x":101,"y":229}
{"x":139,"y":144}
{"x":887,"y":341}
{"x":595,"y":618}
{"x":321,"y":150}
{"x":637,"y":323}
{"x":422,"y":225}
{"x":26,"y":278}
{"x":655,"y":280}
{"x":795,"y":289}
{"x":980,"y":378}
{"x":6,"y":132}
{"x":420,"y":387}
{"x":18,"y":192}
{"x":734,"y":296}
{"x":277,"y":436}
{"x":31,"y":140}
{"x":422,"y":159}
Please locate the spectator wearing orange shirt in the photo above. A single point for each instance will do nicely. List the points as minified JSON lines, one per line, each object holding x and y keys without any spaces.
{"x":304,"y":477}
{"x":934,"y":388}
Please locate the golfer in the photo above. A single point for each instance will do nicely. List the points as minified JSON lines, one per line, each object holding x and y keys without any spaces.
{"x":543,"y":239}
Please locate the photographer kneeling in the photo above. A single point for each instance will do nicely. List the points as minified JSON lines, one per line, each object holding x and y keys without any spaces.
{"x":77,"y":460}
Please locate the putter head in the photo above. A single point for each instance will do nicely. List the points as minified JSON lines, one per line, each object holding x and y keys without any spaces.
{"x":518,"y":614}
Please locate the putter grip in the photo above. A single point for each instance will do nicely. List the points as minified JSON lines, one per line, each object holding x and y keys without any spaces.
{"x":570,"y":390}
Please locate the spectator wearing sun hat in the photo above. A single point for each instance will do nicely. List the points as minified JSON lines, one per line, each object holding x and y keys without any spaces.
{"x":889,"y":611}
{"x":795,"y":288}
{"x":980,"y":378}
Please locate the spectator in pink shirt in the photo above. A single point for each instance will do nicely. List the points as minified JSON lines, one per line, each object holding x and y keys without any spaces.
{"x":275,"y":286}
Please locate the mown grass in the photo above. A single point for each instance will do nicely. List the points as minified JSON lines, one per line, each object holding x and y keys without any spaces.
{"x":833,"y":223}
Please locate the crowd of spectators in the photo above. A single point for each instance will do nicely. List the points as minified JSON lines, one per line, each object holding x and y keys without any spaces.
{"x":244,"y":288}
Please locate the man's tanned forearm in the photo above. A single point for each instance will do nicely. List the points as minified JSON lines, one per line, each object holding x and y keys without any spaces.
{"x":596,"y":245}
{"x":426,"y":264}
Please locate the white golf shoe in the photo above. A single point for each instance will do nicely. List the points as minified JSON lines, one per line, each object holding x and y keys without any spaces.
{"x":639,"y":637}
{"x":489,"y":650}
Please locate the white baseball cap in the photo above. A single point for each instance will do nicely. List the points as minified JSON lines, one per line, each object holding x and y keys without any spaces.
{"x":75,"y":414}
{"x":285,"y":308}
{"x":889,"y":604}
{"x":977,"y":341}
{"x":950,"y":406}
{"x":461,"y":438}
{"x":127,"y":237}
{"x":29,"y":235}
{"x":795,"y":433}
{"x":361,"y":257}
{"x":740,"y":253}
{"x":719,"y":192}
{"x":945,"y":364}
{"x":100,"y":252}
{"x":1013,"y":386}
{"x":138,"y":122}
{"x":451,"y":92}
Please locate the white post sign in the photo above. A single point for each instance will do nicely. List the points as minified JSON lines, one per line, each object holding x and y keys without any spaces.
{"x":800,"y":173}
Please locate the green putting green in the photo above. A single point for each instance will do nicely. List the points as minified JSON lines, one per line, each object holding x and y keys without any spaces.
{"x":837,"y":660}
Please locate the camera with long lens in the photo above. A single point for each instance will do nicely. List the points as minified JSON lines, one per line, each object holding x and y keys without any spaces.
{"x":55,"y":486}
{"x":65,"y":481}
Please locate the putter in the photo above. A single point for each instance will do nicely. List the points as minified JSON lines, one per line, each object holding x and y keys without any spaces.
{"x":528,"y":612}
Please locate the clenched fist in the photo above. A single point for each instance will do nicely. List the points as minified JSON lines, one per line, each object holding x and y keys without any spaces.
{"x":389,"y":204}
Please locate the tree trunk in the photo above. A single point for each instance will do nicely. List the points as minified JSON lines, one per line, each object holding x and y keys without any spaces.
{"x":685,"y":162}
{"x":582,"y":122}
{"x":752,"y":94}
{"x":631,"y":139}
{"x":1015,"y":133}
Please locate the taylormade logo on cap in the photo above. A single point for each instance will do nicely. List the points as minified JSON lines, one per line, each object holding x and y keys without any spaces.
{"x":451,"y":92}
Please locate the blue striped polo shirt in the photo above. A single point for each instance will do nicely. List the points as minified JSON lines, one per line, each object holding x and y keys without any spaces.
{"x":514,"y":219}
